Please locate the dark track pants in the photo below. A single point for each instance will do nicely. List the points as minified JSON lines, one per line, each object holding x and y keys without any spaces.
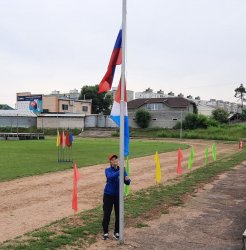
{"x":109,"y":202}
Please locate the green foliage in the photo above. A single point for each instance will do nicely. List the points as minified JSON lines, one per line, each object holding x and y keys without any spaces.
{"x":47,"y":131}
{"x":53,"y":131}
{"x":141,"y":225}
{"x":101,"y":103}
{"x":212,"y":122}
{"x":195,"y":121}
{"x":143,"y":118}
{"x":243,"y":115}
{"x":20,"y":130}
{"x":220,"y":115}
{"x":168,"y":133}
{"x":240,"y":93}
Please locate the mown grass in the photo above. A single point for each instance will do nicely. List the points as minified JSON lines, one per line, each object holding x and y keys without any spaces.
{"x":223,"y":132}
{"x":80,"y":230}
{"x":33,"y":157}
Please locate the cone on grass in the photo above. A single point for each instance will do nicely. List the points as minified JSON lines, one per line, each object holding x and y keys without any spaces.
{"x":180,"y":158}
{"x":158,"y":168}
{"x":127,"y":187}
{"x":191,"y":158}
{"x":76,"y":176}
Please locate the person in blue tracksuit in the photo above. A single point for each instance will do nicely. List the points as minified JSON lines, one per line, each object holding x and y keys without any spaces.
{"x":111,"y":196}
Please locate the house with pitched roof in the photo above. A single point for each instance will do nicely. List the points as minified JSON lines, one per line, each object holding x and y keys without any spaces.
{"x":165,"y":112}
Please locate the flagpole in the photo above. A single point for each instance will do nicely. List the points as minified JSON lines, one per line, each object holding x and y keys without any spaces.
{"x":122,"y":98}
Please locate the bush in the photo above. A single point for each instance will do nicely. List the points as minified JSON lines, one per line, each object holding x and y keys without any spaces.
{"x":220,"y":115}
{"x":47,"y":131}
{"x":194,"y":121}
{"x":212,"y":122}
{"x":143,"y":118}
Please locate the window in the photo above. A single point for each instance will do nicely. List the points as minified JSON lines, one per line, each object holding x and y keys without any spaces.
{"x":154,"y":119}
{"x":153,"y":106}
{"x":64,"y":107}
{"x":84,"y":108}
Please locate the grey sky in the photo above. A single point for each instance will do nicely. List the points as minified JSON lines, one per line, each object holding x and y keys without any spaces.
{"x":196,"y":47}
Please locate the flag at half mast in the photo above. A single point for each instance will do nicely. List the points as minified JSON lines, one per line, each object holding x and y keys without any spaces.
{"x":115,"y":116}
{"x":115,"y":59}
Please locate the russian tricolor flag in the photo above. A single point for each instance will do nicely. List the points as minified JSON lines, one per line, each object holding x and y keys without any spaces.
{"x":116,"y":59}
{"x":115,"y":116}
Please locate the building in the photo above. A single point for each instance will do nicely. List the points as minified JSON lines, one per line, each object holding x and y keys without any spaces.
{"x":17,"y":118}
{"x":53,"y":103}
{"x":165,"y":112}
{"x":129,"y":93}
{"x":65,"y":121}
{"x":230,"y":107}
{"x":55,"y":110}
{"x":56,"y":104}
{"x":204,"y":107}
{"x":72,"y":94}
{"x":149,"y":93}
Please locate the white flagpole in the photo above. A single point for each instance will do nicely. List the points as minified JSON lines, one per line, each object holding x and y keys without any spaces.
{"x":122,"y":106}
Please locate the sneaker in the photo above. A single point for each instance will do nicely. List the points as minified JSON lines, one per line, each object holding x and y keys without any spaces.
{"x":105,"y":237}
{"x":116,"y":236}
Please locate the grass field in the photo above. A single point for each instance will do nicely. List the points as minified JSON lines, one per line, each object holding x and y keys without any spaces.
{"x":25,"y":158}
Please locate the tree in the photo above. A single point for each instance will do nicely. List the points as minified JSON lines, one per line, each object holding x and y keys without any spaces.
{"x":243,"y":115}
{"x":240,"y":93}
{"x":143,"y":118}
{"x":100,"y":102}
{"x":220,"y":115}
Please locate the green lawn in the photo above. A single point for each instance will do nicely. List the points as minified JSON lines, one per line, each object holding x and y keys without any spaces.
{"x":25,"y":158}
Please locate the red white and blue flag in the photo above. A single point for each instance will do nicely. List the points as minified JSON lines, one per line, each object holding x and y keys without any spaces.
{"x":115,"y":116}
{"x":116,"y":59}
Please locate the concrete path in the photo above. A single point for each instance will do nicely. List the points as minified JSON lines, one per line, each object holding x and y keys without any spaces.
{"x":213,"y":219}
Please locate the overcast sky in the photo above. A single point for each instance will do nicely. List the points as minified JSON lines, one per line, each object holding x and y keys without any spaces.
{"x":195,"y":47}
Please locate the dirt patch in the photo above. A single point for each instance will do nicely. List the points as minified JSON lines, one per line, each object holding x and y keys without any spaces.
{"x":29,"y":203}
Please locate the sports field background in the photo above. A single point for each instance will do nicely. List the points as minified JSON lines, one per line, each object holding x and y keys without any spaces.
{"x":25,"y":158}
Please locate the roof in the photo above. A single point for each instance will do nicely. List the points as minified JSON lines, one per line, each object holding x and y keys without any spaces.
{"x":17,"y":112}
{"x":5,"y":107}
{"x":173,"y":102}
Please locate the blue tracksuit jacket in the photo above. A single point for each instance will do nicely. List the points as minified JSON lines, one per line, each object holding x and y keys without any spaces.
{"x":112,"y":183}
